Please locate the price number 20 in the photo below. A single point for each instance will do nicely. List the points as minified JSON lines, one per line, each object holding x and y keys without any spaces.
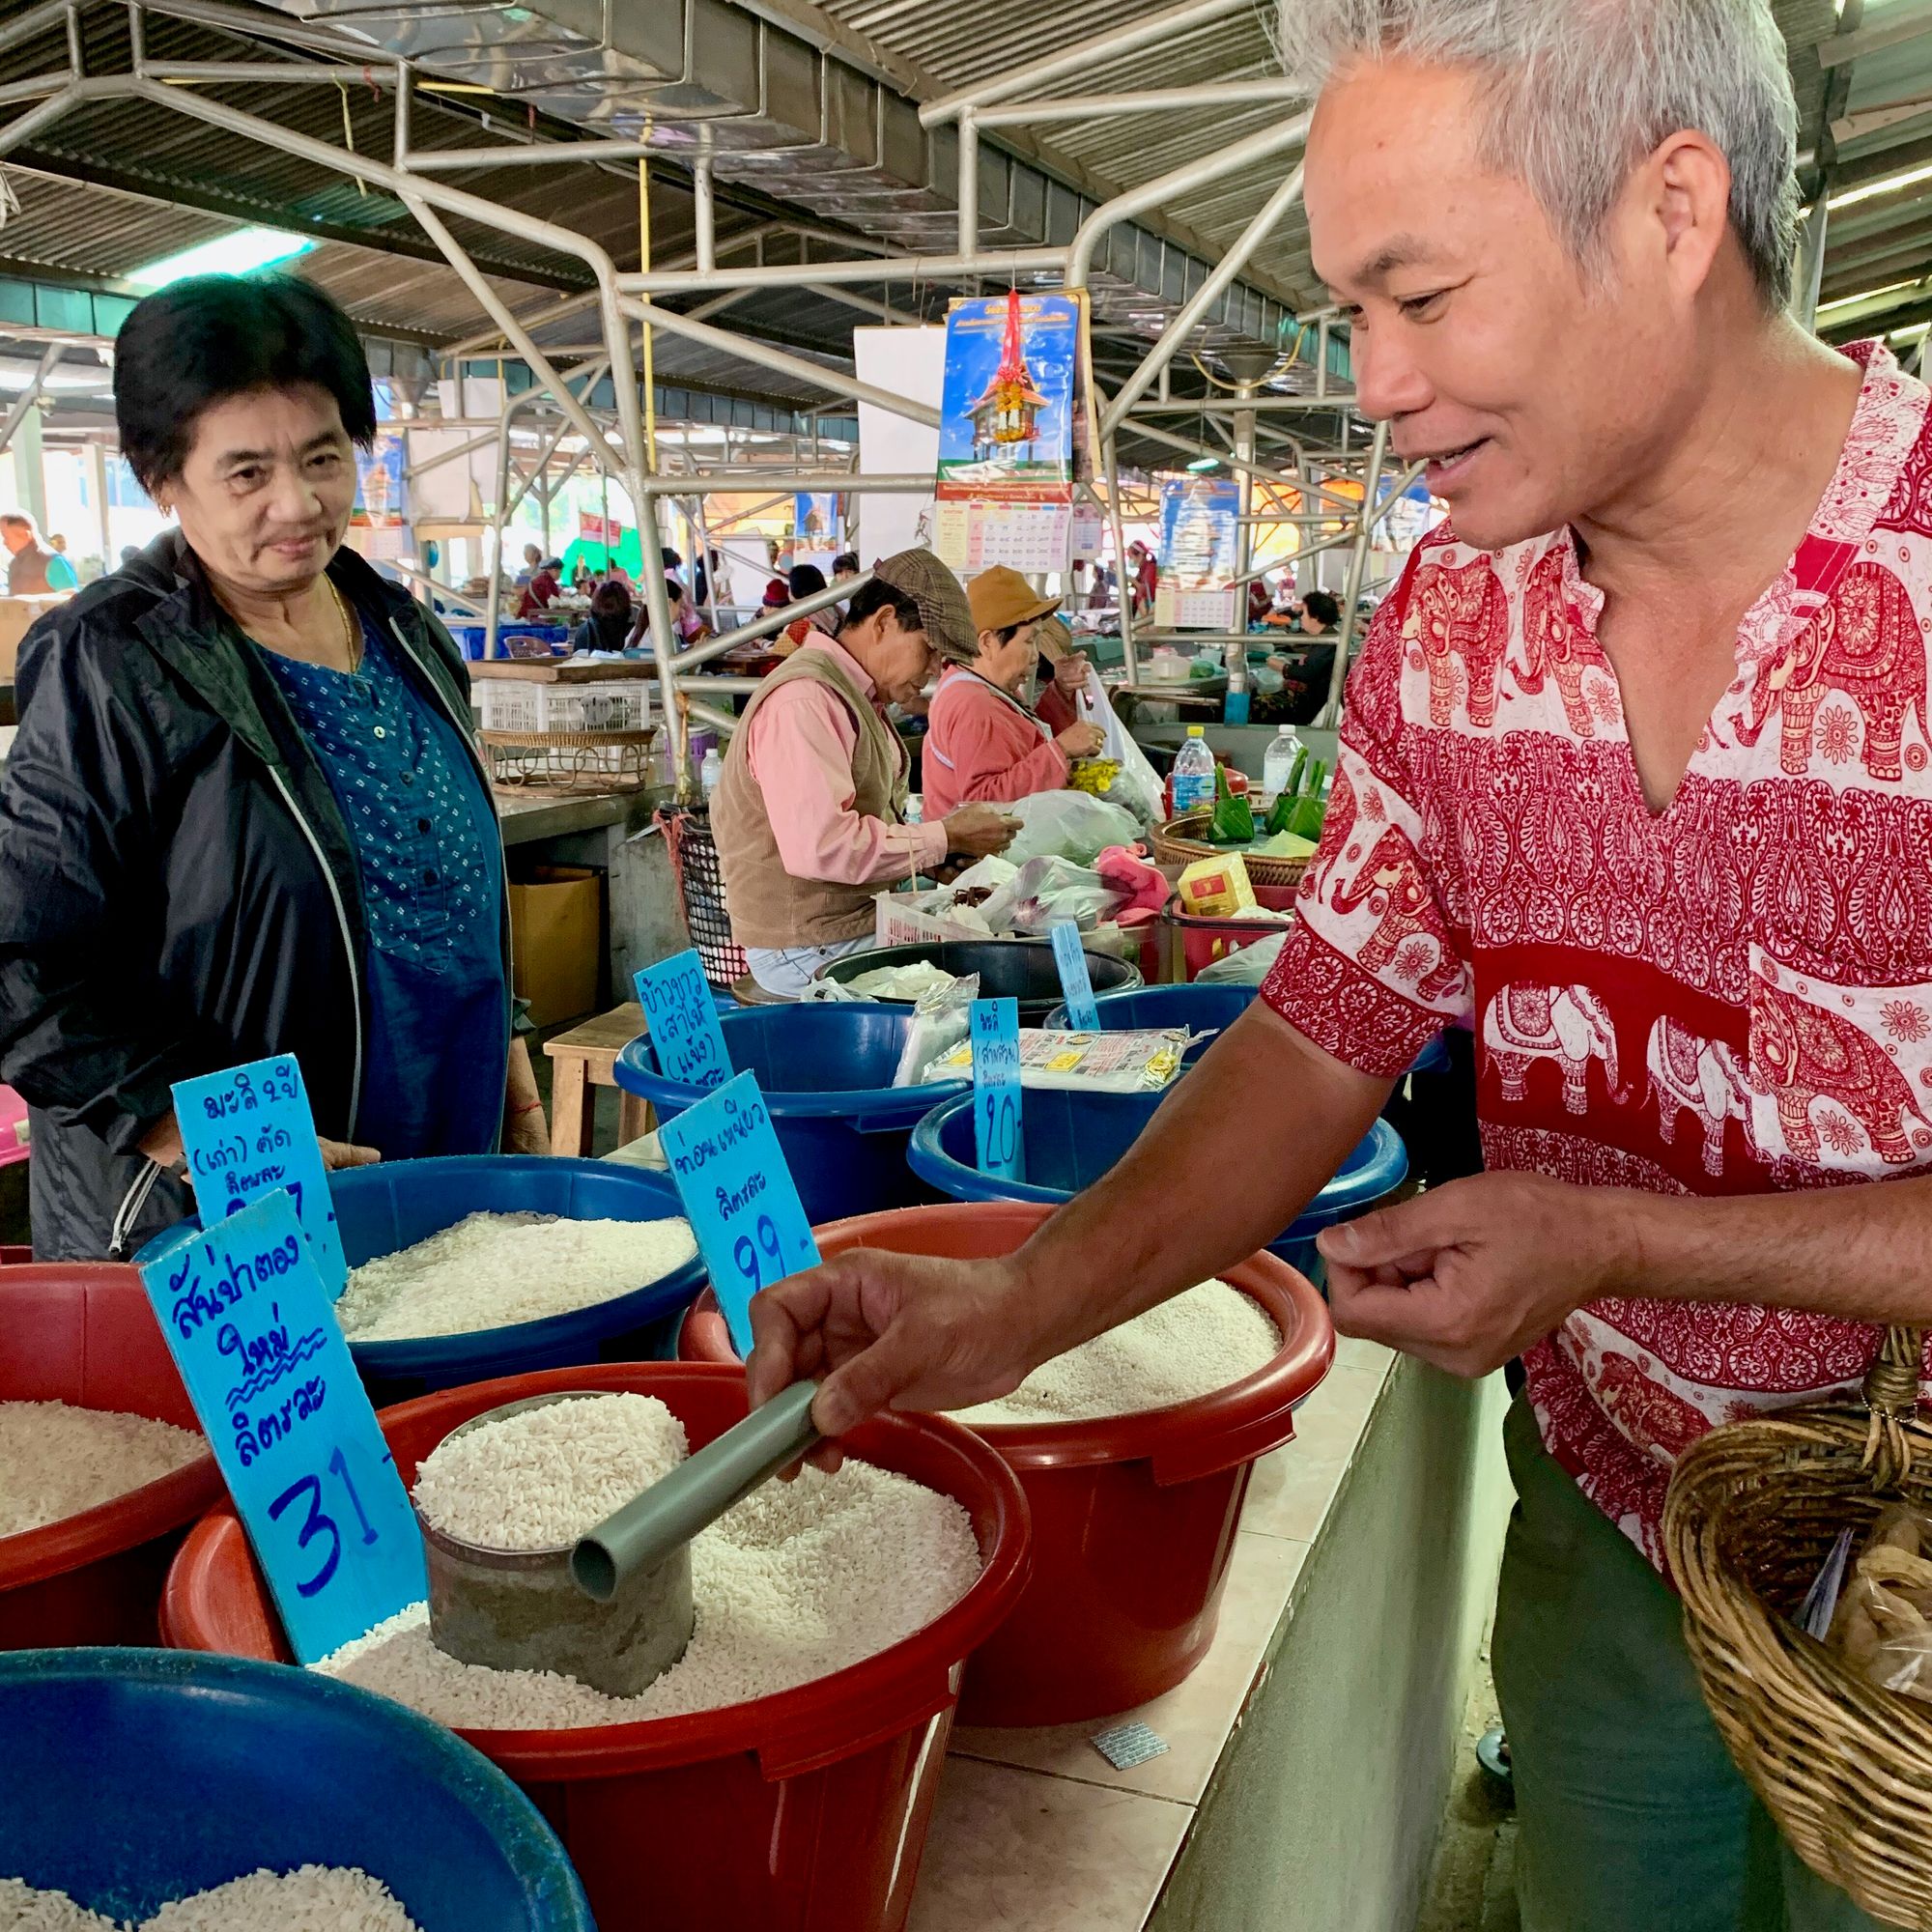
{"x":1000,"y":1113}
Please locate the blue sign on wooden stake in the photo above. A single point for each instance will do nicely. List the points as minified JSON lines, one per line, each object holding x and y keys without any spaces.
{"x":682,"y":1018}
{"x":248,"y":1132}
{"x":1076,"y":983}
{"x":996,"y":1087}
{"x":254,"y":1334}
{"x":740,"y":1198}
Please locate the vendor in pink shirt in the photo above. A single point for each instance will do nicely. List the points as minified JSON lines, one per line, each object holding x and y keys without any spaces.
{"x":984,"y":739}
{"x":810,"y":815}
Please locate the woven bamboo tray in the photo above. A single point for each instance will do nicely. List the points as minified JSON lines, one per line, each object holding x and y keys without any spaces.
{"x":1180,"y":842}
{"x":1753,"y":1510}
{"x":569,"y":761}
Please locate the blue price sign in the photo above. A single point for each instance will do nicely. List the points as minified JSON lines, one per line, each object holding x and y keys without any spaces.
{"x":683,"y":1020}
{"x":1076,"y":985}
{"x":996,"y":1087}
{"x":248,"y":1132}
{"x":740,"y":1196}
{"x":254,"y":1334}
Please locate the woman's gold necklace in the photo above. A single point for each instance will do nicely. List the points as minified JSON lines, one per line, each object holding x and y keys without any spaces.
{"x":351,"y":640}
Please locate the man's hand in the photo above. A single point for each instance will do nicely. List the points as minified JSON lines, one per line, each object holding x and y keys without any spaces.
{"x":337,"y":1154}
{"x":1472,"y":1273}
{"x":1082,"y":741}
{"x":980,"y":830}
{"x":883,"y":1330}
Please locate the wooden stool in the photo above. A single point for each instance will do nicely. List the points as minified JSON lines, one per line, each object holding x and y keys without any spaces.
{"x":583,"y":1060}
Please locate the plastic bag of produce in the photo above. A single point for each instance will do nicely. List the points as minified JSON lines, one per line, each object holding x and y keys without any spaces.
{"x":900,"y":982}
{"x":1048,"y":891}
{"x":940,"y":1018}
{"x":1248,"y":966}
{"x":1136,"y":785}
{"x":1068,"y":825}
{"x":1883,"y":1623}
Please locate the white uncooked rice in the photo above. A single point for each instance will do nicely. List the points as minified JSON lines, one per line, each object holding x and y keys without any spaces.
{"x":543,"y":1477}
{"x":57,"y":1461}
{"x":796,"y":1582}
{"x":496,"y":1271}
{"x":1185,"y":1348}
{"x":312,"y":1899}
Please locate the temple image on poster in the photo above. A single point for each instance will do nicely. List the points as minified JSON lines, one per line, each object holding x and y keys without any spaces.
{"x":1006,"y":417}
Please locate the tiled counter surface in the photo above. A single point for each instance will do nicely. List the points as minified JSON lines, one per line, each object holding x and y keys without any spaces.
{"x":1034,"y":1831}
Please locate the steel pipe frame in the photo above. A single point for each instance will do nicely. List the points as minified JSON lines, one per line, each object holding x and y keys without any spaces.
{"x":1158,"y":99}
{"x":1352,"y":585}
{"x":1000,"y":263}
{"x":31,"y":394}
{"x":767,"y":623}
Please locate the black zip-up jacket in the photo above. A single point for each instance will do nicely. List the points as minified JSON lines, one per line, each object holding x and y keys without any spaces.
{"x":178,"y":889}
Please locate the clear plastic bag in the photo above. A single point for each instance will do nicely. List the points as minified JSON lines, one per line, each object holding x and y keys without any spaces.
{"x":940,"y":1019}
{"x":1137,"y":788}
{"x":1883,"y":1623}
{"x":1248,"y":966}
{"x":1048,"y":891}
{"x":1068,"y":825}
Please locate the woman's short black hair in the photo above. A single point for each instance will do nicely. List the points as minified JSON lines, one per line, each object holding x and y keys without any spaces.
{"x":1323,"y":607}
{"x":847,"y":560}
{"x":879,"y":595}
{"x":200,"y":341}
{"x":807,"y":580}
{"x":610,"y":600}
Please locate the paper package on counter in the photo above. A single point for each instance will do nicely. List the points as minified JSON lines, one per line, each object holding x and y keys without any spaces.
{"x":1084,"y":1063}
{"x":940,"y":1018}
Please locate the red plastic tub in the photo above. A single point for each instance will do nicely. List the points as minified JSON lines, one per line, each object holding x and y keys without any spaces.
{"x":86,"y":1334}
{"x":1203,"y":941}
{"x":802,"y":1812}
{"x":1133,"y":1517}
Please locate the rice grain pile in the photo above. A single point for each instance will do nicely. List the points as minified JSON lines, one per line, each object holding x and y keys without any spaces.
{"x":543,"y":1477}
{"x":796,"y":1582}
{"x":496,"y":1271}
{"x":312,"y":1899}
{"x":1188,"y":1346}
{"x":57,"y":1461}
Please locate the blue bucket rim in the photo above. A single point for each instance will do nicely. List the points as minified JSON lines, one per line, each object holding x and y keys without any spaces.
{"x":637,"y":1073}
{"x":529,"y":1846}
{"x":419,"y":1354}
{"x":1385,"y":1170}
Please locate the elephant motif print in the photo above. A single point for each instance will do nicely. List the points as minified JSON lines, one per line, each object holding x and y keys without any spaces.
{"x":1700,"y":1075}
{"x":1801,"y":1054}
{"x":1459,"y":613}
{"x":1570,"y":1025}
{"x":1867,"y":645}
{"x":1555,"y":645}
{"x":1391,"y":885}
{"x":1659,"y":1421}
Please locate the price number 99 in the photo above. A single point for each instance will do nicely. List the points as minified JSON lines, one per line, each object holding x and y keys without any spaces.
{"x":760,"y":1260}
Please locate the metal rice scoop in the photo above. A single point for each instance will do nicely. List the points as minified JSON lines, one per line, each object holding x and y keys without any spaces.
{"x":615,"y":1610}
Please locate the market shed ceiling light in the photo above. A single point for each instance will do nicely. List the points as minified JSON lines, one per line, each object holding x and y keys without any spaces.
{"x":235,"y":254}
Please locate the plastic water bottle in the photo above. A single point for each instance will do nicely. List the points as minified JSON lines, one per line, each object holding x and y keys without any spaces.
{"x":1282,"y":754}
{"x":710,"y":771}
{"x":1194,"y":773}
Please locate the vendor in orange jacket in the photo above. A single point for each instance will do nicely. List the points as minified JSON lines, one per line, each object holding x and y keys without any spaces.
{"x":984,"y":739}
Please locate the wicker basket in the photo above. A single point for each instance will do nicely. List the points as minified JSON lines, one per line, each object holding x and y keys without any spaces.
{"x":568,"y":762}
{"x":1179,"y":843}
{"x":1753,"y":1510}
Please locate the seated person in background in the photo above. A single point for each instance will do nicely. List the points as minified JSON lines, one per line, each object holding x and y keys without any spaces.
{"x":809,"y":816}
{"x":845,"y":565}
{"x":805,"y":579}
{"x":542,"y":590}
{"x":1261,"y":602}
{"x":532,"y":563}
{"x":1307,"y":667}
{"x":687,"y":626}
{"x":984,"y":741}
{"x":611,"y":624}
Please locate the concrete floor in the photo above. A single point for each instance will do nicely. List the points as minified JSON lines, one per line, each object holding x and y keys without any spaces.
{"x":1473,"y":1886}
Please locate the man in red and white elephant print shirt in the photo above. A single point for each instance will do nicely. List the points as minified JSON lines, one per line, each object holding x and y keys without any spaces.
{"x":1758,"y":956}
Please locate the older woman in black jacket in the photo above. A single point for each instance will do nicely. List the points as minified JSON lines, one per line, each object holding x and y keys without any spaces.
{"x":244,"y":813}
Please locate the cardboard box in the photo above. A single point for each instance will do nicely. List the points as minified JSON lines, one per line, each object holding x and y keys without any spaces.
{"x":556,"y":937}
{"x":1216,"y":887}
{"x":18,"y":616}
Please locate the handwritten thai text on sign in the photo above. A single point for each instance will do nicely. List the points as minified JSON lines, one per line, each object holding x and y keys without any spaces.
{"x":996,"y":1087}
{"x":740,"y":1198}
{"x":682,"y":1018}
{"x":248,"y":1131}
{"x":254,"y":1334}
{"x":1076,"y":983}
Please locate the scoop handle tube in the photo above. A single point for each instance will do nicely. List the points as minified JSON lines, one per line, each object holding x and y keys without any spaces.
{"x":668,"y":1515}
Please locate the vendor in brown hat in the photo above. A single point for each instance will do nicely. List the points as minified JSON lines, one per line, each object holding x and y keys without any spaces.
{"x":810,"y":815}
{"x":984,"y":739}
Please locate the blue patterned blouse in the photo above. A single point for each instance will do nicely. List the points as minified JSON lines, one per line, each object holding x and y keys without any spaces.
{"x":431,"y":860}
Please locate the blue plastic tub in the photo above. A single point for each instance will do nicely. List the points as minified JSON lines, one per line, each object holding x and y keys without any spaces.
{"x":131,"y":1778}
{"x":397,"y":1202}
{"x":1072,"y":1139}
{"x":826,"y":1073}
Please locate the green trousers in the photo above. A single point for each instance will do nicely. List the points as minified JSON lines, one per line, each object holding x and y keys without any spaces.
{"x":1630,"y":1815}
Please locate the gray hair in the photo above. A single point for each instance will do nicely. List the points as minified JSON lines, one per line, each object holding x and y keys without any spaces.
{"x":1580,"y":91}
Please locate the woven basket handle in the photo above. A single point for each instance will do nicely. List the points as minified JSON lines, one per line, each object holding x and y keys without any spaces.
{"x":1891,"y":1395}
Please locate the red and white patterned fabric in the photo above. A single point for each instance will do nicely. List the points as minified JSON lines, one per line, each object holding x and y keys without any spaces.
{"x":1731,"y":995}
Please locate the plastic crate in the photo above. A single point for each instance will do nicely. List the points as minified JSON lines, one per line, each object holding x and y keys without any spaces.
{"x":509,"y":704}
{"x":512,"y":704}
{"x":1203,"y":941}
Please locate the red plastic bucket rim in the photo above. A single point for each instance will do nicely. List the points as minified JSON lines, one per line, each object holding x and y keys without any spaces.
{"x":1184,"y":1439}
{"x":125,"y":1522}
{"x":792,"y":1731}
